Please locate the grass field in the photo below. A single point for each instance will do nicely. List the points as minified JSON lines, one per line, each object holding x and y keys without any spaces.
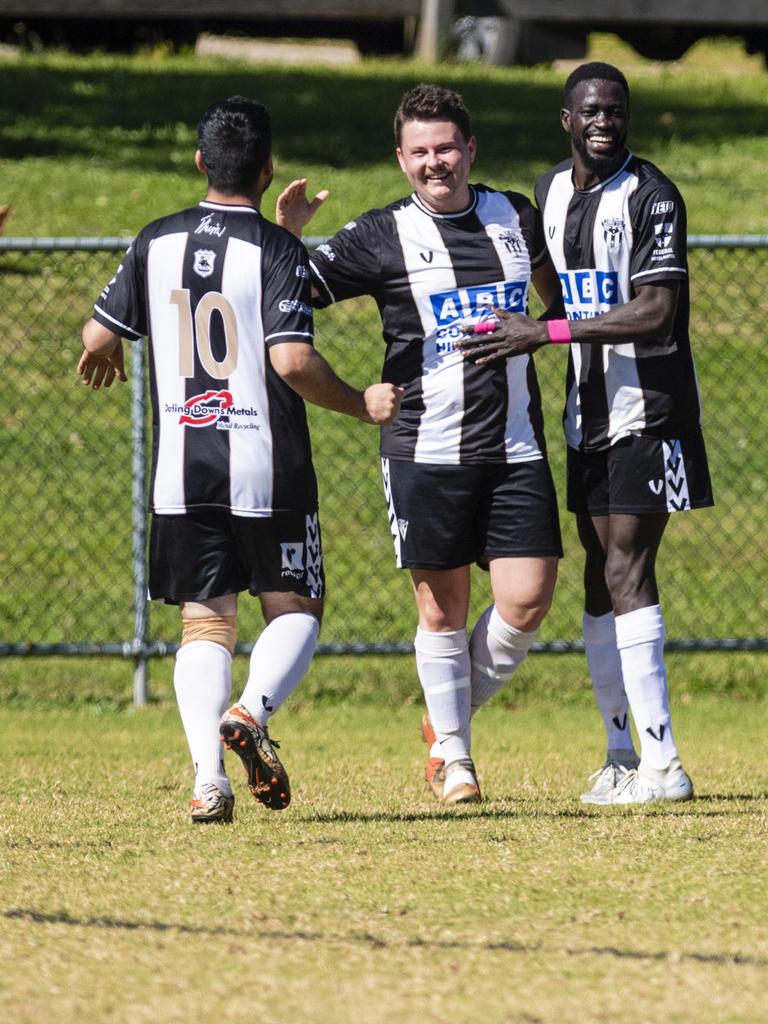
{"x":366,"y":902}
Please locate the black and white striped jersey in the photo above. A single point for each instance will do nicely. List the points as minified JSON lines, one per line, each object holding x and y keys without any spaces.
{"x":430,"y":274}
{"x":605,"y":242}
{"x":212,"y":288}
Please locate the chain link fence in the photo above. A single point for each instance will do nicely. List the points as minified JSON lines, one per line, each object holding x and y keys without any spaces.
{"x":73,"y":465}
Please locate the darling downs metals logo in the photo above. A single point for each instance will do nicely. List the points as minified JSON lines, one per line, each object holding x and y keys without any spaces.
{"x":215,"y":407}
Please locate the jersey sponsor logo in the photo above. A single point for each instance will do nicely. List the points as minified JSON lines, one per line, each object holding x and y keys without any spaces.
{"x":202,"y":410}
{"x":327,"y":251}
{"x":294,"y":306}
{"x":302,"y":271}
{"x":665,"y":207}
{"x":203,"y":261}
{"x":589,"y":292}
{"x":477,"y":302}
{"x":208,"y":227}
{"x":613,"y":231}
{"x":350,"y":225}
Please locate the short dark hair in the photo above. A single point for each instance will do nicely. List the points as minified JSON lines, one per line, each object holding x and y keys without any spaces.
{"x":234,"y":137}
{"x":432,"y":103}
{"x":595,"y":71}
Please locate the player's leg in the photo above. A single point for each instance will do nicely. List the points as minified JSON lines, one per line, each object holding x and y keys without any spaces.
{"x":202,"y":680}
{"x":633,"y":544}
{"x":603,"y":660}
{"x":517,"y":535}
{"x":522,"y":595}
{"x":283,"y":558}
{"x":442,"y":662}
{"x":588,"y":485}
{"x":190,"y":564}
{"x":431,"y":515}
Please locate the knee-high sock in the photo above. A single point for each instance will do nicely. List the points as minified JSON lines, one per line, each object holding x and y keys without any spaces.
{"x":279,"y":660}
{"x":442,"y":661}
{"x":640,"y":639}
{"x":497,"y":650}
{"x":202,"y":679}
{"x":605,"y":670}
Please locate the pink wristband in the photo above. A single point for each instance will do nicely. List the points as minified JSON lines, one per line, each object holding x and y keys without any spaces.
{"x":559,"y":332}
{"x":484,"y":327}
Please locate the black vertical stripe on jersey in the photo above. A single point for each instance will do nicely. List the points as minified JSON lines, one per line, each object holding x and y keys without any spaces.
{"x":474,"y":259}
{"x":578,"y":250}
{"x":403,"y":360}
{"x":205,"y":446}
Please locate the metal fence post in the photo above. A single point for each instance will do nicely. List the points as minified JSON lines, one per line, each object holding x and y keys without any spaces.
{"x":139,"y":523}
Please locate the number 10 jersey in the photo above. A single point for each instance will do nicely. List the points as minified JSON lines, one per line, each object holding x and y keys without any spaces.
{"x":212,"y":288}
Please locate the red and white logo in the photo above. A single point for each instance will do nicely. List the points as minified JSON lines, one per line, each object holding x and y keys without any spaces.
{"x":202,"y":410}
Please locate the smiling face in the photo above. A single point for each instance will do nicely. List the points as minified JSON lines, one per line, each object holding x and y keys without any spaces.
{"x":436,"y":159}
{"x":597,"y":120}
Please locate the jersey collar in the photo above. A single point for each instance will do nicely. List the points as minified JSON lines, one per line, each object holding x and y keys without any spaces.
{"x":448,"y":216}
{"x":227,"y":207}
{"x":606,"y":181}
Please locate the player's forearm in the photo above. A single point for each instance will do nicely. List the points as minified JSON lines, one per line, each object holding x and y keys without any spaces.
{"x":648,"y":317}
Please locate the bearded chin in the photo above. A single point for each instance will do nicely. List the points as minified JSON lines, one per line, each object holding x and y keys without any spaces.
{"x":602,"y":165}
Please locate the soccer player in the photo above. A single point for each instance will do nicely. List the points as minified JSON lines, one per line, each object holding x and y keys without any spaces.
{"x":223,"y":297}
{"x":465,"y":472}
{"x":616,"y":231}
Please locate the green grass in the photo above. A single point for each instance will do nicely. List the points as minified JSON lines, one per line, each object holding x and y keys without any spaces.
{"x":365,"y":901}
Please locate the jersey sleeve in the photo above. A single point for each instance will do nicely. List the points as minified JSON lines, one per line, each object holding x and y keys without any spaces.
{"x":533,"y":225}
{"x":287,"y":312}
{"x":660,"y":236}
{"x":349,"y":264}
{"x":122,"y":305}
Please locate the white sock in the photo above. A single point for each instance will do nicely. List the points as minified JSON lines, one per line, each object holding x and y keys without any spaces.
{"x":202,"y":679}
{"x":442,"y":661}
{"x":640,"y":639}
{"x":279,"y":661}
{"x":605,"y":670}
{"x":497,"y":650}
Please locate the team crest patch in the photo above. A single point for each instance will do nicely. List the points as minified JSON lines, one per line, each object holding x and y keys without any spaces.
{"x":512,"y":240}
{"x":203,"y":262}
{"x":613,"y":231}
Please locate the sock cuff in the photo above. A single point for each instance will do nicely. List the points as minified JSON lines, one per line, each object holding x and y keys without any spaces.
{"x":446,"y":645}
{"x":640,"y":626}
{"x":197,"y":647}
{"x":508,"y":636}
{"x":599,"y":629}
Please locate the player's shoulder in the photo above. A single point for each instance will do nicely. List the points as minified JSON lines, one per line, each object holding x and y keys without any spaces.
{"x":544,"y":181}
{"x":650,"y":178}
{"x":520,"y":202}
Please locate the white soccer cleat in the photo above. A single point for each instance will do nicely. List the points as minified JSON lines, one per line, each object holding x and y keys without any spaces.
{"x":460,"y":785}
{"x":210,"y":804}
{"x":606,"y":779}
{"x":636,"y":788}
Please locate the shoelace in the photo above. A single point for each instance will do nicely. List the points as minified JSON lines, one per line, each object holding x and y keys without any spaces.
{"x":630,"y":779}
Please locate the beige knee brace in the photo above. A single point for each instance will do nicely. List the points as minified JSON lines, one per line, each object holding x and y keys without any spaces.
{"x":217,"y":629}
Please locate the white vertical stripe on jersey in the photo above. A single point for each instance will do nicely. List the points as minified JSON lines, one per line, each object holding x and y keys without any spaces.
{"x":624,"y":394}
{"x":251,"y":474}
{"x":555,"y":214}
{"x":165,"y":265}
{"x":498,"y":215}
{"x":442,"y":382}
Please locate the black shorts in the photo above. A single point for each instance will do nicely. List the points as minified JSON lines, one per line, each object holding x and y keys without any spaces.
{"x":640,"y":475}
{"x":210,"y":553}
{"x":443,"y":517}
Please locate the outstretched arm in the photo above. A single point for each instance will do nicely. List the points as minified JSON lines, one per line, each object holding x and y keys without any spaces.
{"x":649,"y":316}
{"x":102,"y":358}
{"x":303,"y":368}
{"x":293,"y":210}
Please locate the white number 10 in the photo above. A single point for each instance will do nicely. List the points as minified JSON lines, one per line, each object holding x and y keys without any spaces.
{"x":197,"y":333}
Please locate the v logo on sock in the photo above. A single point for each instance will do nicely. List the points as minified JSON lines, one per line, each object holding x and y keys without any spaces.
{"x":268,"y":707}
{"x":660,"y":737}
{"x":620,"y":723}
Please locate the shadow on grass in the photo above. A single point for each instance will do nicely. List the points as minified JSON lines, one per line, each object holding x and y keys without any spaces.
{"x":375,"y":942}
{"x":334,"y":117}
